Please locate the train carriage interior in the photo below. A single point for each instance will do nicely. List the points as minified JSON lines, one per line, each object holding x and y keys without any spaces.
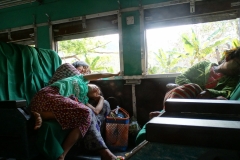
{"x":150,"y":42}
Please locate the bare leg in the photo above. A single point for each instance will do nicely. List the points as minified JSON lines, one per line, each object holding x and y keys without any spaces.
{"x":106,"y":154}
{"x":71,"y":139}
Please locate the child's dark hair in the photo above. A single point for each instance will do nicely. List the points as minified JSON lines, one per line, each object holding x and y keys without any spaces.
{"x":230,"y":54}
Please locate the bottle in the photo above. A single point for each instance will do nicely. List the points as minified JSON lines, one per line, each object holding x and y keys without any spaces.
{"x":120,"y":114}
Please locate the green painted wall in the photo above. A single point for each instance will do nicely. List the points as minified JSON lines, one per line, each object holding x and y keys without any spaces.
{"x":131,"y":44}
{"x":43,"y":40}
{"x":62,"y":9}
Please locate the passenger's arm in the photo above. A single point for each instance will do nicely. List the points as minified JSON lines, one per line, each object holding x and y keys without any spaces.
{"x":195,"y":74}
{"x":99,"y":75}
{"x":99,"y":106}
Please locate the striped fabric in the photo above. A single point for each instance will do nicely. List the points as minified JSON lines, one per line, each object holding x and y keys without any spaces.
{"x":187,"y":91}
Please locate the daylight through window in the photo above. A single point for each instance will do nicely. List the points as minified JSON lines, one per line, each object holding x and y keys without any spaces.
{"x":100,"y":52}
{"x":174,"y":49}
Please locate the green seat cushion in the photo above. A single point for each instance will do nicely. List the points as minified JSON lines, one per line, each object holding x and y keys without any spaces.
{"x":141,"y":135}
{"x":236,"y":93}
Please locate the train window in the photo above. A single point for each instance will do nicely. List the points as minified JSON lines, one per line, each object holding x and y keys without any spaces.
{"x":24,"y":37}
{"x":100,"y":52}
{"x":177,"y":40}
{"x":174,"y":49}
{"x":94,"y":40}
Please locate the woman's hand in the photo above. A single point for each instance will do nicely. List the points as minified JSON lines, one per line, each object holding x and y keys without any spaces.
{"x":98,"y":107}
{"x":204,"y":95}
{"x":154,"y":114}
{"x":171,"y":85}
{"x":117,"y":74}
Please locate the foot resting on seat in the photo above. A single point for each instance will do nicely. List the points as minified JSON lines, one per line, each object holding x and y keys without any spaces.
{"x":106,"y":154}
{"x":38,"y":120}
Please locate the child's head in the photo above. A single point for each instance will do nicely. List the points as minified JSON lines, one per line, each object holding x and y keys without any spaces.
{"x":94,"y":91}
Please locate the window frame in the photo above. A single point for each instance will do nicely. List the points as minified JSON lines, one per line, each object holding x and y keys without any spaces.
{"x":21,"y":35}
{"x":226,"y":10}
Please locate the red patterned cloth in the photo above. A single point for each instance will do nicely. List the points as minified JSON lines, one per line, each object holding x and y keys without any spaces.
{"x":187,"y":91}
{"x":213,"y":79}
{"x":68,"y":112}
{"x":64,"y":71}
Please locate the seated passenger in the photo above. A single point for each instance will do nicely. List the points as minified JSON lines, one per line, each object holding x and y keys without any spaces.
{"x":65,"y":100}
{"x":99,"y":105}
{"x":82,"y":67}
{"x":204,"y":80}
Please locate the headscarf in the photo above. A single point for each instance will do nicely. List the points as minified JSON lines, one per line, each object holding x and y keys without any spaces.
{"x":80,"y":63}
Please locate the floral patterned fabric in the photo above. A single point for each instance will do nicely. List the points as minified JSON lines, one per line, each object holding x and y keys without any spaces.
{"x":64,"y":71}
{"x":75,"y":85}
{"x":93,"y":140}
{"x":92,"y":126}
{"x":68,"y":112}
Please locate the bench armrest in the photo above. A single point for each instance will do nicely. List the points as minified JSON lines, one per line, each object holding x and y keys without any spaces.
{"x":194,"y":132}
{"x":203,"y":106}
{"x":13,"y":104}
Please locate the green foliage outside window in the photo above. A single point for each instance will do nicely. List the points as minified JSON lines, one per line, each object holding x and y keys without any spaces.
{"x":86,"y":49}
{"x":197,"y":43}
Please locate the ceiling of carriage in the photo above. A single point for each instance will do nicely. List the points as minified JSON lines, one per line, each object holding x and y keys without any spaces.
{"x":29,"y":12}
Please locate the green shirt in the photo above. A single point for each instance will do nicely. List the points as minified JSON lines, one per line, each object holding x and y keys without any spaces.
{"x":75,"y":85}
{"x":199,"y":74}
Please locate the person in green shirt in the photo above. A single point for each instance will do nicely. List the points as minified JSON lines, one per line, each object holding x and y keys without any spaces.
{"x":66,"y":100}
{"x":97,"y":103}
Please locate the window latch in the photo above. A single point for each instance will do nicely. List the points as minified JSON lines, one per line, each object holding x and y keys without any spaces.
{"x":48,"y":19}
{"x":192,"y":6}
{"x":84,"y":22}
{"x":9,"y":35}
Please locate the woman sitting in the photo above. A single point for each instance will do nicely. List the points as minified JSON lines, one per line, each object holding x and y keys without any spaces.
{"x":97,"y":103}
{"x":65,"y":100}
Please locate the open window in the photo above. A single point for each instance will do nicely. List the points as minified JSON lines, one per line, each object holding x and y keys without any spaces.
{"x":93,"y":40}
{"x":21,"y":36}
{"x":177,"y":39}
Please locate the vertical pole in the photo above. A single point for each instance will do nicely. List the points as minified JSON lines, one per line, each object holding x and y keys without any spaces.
{"x":134,"y":101}
{"x":143,"y":43}
{"x":35,"y":31}
{"x":120,"y":43}
{"x":51,"y":38}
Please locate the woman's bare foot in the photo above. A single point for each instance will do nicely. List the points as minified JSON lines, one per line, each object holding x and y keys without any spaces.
{"x":61,"y":157}
{"x":154,"y":114}
{"x":106,"y":154}
{"x":38,"y":120}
